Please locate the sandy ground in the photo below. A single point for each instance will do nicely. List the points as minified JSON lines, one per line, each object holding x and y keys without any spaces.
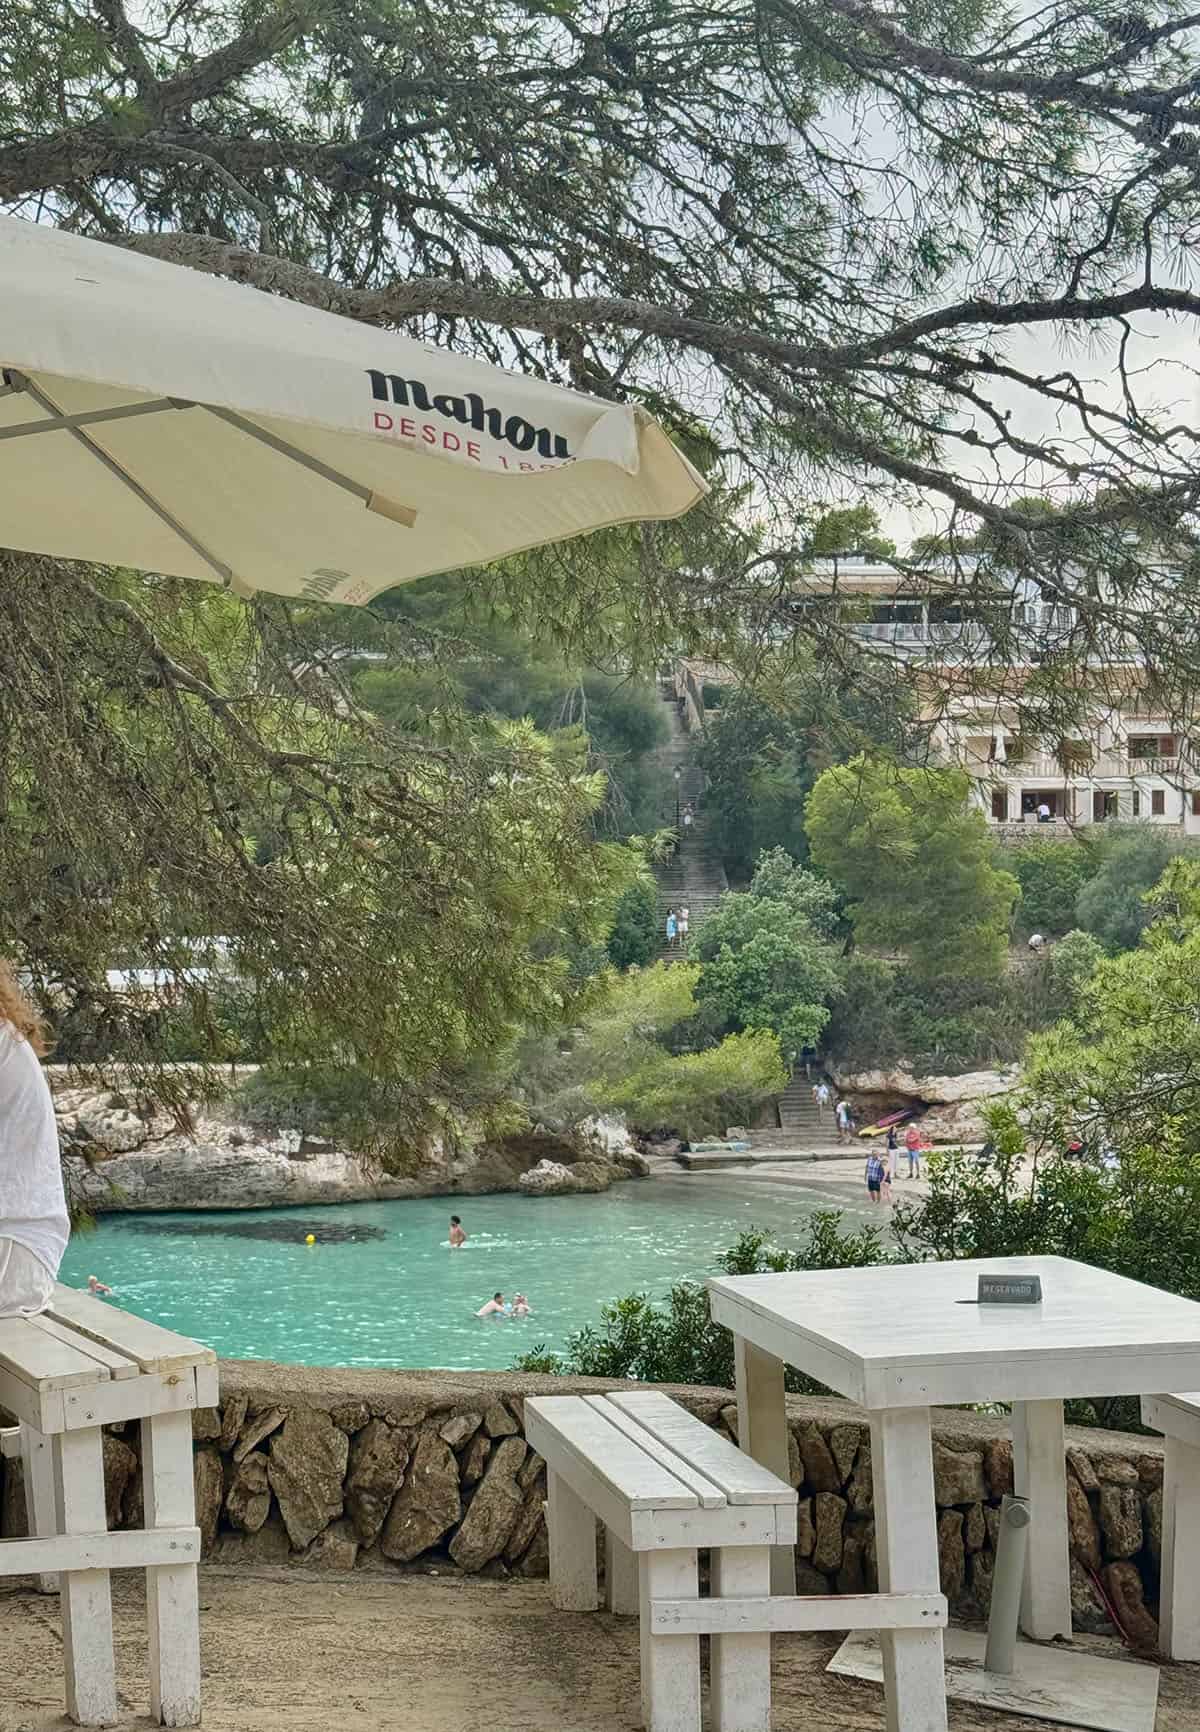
{"x":422,"y":1654}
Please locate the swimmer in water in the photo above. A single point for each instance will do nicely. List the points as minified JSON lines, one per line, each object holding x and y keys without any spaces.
{"x":96,"y":1286}
{"x":521,"y":1306}
{"x":457,"y":1237}
{"x":493,"y":1308}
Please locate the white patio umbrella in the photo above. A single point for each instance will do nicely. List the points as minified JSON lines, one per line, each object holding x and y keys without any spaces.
{"x":155,"y":417}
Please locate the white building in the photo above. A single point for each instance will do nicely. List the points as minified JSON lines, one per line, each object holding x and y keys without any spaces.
{"x":1131,"y":763}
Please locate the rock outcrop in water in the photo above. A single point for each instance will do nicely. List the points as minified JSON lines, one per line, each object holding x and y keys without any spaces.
{"x":121,"y":1153}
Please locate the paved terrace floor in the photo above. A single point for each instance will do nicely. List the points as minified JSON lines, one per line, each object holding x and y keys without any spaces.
{"x":424,"y":1654}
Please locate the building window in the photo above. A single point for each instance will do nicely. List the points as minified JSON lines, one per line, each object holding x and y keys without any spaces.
{"x":1000,"y":804}
{"x":1196,"y":803}
{"x":1103,"y":806}
{"x":1158,"y":802}
{"x":1137,"y":804}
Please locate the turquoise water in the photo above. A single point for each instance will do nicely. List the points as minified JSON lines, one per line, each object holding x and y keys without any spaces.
{"x":400,"y":1297}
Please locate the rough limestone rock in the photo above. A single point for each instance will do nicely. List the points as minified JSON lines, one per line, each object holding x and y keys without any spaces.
{"x":133,"y":1504}
{"x":1081,"y":1466}
{"x":13,"y":1522}
{"x":248,"y":1500}
{"x":843,"y":1446}
{"x":553,"y":1179}
{"x":206,"y":1424}
{"x":350,"y":1417}
{"x":460,"y":1428}
{"x":851,"y":1577}
{"x":952,"y":1556}
{"x":120,"y":1465}
{"x":270,"y":1545}
{"x":499,"y":1422}
{"x":998,"y":1466}
{"x":982,"y":1570}
{"x":209,"y":1479}
{"x":937,"y":1090}
{"x":975,"y":1529}
{"x":474,"y":1458}
{"x":830,"y":1519}
{"x":427,"y":1504}
{"x":1081,"y":1525}
{"x":860,"y":1493}
{"x":1124,"y":1586}
{"x":806,"y":1533}
{"x":1088,"y":1611}
{"x":529,"y":1519}
{"x":810,"y":1580}
{"x":958,"y":1475}
{"x":1152,"y":1505}
{"x":533,"y":1468}
{"x":536,"y":1561}
{"x":1150,"y":1470}
{"x":1115,"y":1470}
{"x":257,"y":1429}
{"x":378,"y":1456}
{"x":233,"y":1418}
{"x":494,"y":1509}
{"x":795,"y":1461}
{"x":306,"y":1469}
{"x":820,"y":1469}
{"x":1120,"y":1520}
{"x":335,"y":1549}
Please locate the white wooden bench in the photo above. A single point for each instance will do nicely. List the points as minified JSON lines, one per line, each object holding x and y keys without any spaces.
{"x":1178,"y":1418}
{"x":83,"y":1365}
{"x":665,"y":1485}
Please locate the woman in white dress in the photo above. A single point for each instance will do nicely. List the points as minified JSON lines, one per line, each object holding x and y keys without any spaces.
{"x":33,"y":1208}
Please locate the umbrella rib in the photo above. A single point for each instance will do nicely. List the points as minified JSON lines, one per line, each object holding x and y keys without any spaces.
{"x":376,"y":502}
{"x":87,"y":417}
{"x":223,"y":571}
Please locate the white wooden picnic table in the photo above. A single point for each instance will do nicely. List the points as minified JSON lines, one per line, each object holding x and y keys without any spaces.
{"x":902,"y":1339}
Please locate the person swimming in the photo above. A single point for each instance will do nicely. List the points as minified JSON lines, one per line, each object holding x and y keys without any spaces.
{"x":521,"y":1306}
{"x":493,"y":1308}
{"x":96,"y":1286}
{"x":457,"y":1237}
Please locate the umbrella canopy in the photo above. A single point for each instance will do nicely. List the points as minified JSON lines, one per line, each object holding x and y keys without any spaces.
{"x":155,"y":417}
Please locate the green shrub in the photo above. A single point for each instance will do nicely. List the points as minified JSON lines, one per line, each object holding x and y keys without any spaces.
{"x":1112,"y":904}
{"x":1051,"y":875}
{"x":699,"y":1093}
{"x":635,"y":936}
{"x":365,"y":1114}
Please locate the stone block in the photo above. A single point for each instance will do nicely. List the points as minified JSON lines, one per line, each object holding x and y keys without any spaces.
{"x":494,"y":1509}
{"x":952,"y":1557}
{"x":351,"y":1417}
{"x":1081,"y":1525}
{"x":428,"y":1503}
{"x":120,"y":1465}
{"x":257,"y":1429}
{"x":1120,"y":1520}
{"x":307,"y":1470}
{"x":1088,"y":1611}
{"x":843,"y":1446}
{"x":998,"y":1467}
{"x":377,"y":1459}
{"x":820,"y":1469}
{"x":334,"y":1549}
{"x":1115,"y":1470}
{"x":830,"y":1520}
{"x":957,"y":1476}
{"x":206,"y":1424}
{"x":806,"y":1533}
{"x":13,"y":1522}
{"x":1152,"y":1521}
{"x":1081,"y":1467}
{"x":248,"y":1500}
{"x":460,"y":1428}
{"x":536,"y":1561}
{"x":499,"y":1422}
{"x":860,"y":1493}
{"x":975,"y":1529}
{"x":233,"y":1418}
{"x":851,"y":1578}
{"x":1125,"y":1590}
{"x":811,"y":1581}
{"x":528,"y":1521}
{"x":208,"y":1477}
{"x":474,"y":1458}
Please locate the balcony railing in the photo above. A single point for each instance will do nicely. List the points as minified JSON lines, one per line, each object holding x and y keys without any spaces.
{"x":1044,"y":768}
{"x":1147,"y":766}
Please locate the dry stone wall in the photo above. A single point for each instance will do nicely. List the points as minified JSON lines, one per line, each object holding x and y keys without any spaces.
{"x":342,"y":1470}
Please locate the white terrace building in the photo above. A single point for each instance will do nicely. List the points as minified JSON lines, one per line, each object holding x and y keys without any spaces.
{"x":1133,"y":764}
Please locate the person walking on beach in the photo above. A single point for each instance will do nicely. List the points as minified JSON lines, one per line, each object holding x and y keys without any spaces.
{"x":33,"y":1207}
{"x":845,"y":1120}
{"x":457,"y":1237}
{"x":876,"y":1176}
{"x":893,"y":1145}
{"x":821,"y":1095}
{"x":912,"y":1142}
{"x":672,"y":928}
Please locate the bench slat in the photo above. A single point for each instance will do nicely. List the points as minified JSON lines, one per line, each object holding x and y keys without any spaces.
{"x":635,"y":1477}
{"x":115,"y":1364}
{"x":42,"y":1362}
{"x":153,"y":1347}
{"x":738,"y":1476}
{"x":710,"y":1495}
{"x":1173,"y":1415}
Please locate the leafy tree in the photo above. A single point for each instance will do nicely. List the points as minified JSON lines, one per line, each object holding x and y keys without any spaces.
{"x":915,"y":860}
{"x":698,"y":1093}
{"x":1051,"y":876}
{"x":1065,"y":971}
{"x":1112,"y":904}
{"x":780,"y":878}
{"x":635,"y":935}
{"x":764,"y":964}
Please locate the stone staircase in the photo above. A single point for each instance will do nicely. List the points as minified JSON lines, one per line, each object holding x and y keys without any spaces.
{"x":694,"y":878}
{"x":798,"y":1109}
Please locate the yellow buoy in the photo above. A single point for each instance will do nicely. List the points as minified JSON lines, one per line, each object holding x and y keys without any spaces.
{"x":310,"y":1239}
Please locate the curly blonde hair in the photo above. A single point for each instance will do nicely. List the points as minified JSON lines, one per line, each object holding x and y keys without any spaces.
{"x":16,"y":1010}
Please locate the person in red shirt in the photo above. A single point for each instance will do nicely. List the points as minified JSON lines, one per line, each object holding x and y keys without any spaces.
{"x":912,"y":1142}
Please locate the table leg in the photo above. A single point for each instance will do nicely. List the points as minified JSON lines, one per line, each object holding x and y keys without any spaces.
{"x":914,"y":1677}
{"x":740,"y":1670}
{"x":620,"y":1577}
{"x":1179,"y":1626}
{"x":172,"y":1592}
{"x":41,"y":1505}
{"x":763,"y":1433}
{"x":85,"y":1597}
{"x":1040,"y":1474}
